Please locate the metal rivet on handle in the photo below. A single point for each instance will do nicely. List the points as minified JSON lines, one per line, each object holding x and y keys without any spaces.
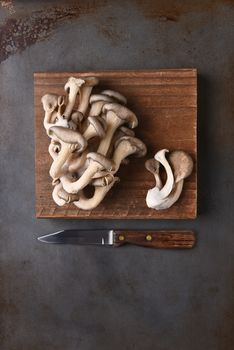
{"x":149,"y":238}
{"x":121,"y":238}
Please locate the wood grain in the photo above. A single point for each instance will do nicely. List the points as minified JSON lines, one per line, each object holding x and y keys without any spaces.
{"x":165,"y":102}
{"x":156,"y":239}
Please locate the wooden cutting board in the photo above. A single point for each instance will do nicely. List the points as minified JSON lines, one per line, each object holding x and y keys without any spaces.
{"x":165,"y":102}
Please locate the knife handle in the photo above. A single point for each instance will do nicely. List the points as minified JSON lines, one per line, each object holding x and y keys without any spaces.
{"x":156,"y":239}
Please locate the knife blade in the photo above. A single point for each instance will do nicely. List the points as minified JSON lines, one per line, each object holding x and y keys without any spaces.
{"x":117,"y":238}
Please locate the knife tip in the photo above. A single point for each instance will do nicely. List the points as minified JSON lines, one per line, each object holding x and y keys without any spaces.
{"x":46,"y":238}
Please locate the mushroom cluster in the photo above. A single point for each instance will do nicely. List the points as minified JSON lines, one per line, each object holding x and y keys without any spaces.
{"x":178,"y":166}
{"x":91,"y":136}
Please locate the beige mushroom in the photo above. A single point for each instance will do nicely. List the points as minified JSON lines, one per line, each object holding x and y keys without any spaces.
{"x":116,"y":95}
{"x":60,"y":196}
{"x":97,"y":163}
{"x":85,"y":93}
{"x":120,"y":132}
{"x":126,"y":146}
{"x":95,"y":128}
{"x":97,"y":102}
{"x":49,"y":103}
{"x":182,"y":166}
{"x":116,"y":115}
{"x":72,"y":87}
{"x":71,"y":141}
{"x":99,"y":194}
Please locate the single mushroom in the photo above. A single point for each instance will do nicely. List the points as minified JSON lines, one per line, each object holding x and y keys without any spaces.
{"x":60,"y":196}
{"x":99,"y":194}
{"x":116,"y":115}
{"x":156,"y":195}
{"x":97,"y":101}
{"x":95,"y":128}
{"x":120,"y":132}
{"x":72,"y":87}
{"x":70,"y":142}
{"x":126,"y":146}
{"x":50,"y":103}
{"x":182,"y":166}
{"x":85,"y":92}
{"x":97,"y":163}
{"x":116,"y":95}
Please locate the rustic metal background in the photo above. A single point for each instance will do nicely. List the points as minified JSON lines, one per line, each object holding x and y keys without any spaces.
{"x":67,"y":297}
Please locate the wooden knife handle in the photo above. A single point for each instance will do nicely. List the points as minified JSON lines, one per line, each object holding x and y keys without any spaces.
{"x":156,"y":239}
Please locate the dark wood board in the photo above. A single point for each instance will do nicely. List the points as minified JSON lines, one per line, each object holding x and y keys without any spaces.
{"x":165,"y":102}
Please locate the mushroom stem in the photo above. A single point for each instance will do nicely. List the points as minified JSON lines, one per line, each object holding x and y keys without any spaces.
{"x":85,"y":92}
{"x":91,"y":203}
{"x":167,"y":188}
{"x":73,"y":85}
{"x":83,"y":181}
{"x":106,"y":141}
{"x":55,"y":194}
{"x":97,"y":163}
{"x":56,"y":169}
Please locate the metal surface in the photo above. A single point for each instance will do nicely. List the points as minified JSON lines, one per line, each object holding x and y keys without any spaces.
{"x":69,"y":297}
{"x":81,"y":237}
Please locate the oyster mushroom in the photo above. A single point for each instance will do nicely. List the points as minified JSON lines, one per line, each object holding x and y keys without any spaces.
{"x":126,"y":146}
{"x":182,"y":166}
{"x":49,"y":103}
{"x":61,"y":197}
{"x":72,"y":87}
{"x":97,"y":102}
{"x":95,"y":128}
{"x":116,"y":95}
{"x":99,"y":194}
{"x":71,"y":141}
{"x":97,"y":163}
{"x":85,"y":92}
{"x":116,"y":115}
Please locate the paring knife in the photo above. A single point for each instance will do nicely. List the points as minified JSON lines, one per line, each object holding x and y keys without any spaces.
{"x":116,"y":238}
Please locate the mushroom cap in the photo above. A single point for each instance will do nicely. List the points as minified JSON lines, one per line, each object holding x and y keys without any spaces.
{"x":98,"y":126}
{"x":99,"y":158}
{"x":68,"y":136}
{"x":99,"y":98}
{"x":72,"y":81}
{"x":119,"y":97}
{"x":126,"y":131}
{"x":181,"y":163}
{"x":77,"y":117}
{"x":123,"y":113}
{"x":49,"y":102}
{"x":134,"y":142}
{"x":152,"y":165}
{"x":91,"y":81}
